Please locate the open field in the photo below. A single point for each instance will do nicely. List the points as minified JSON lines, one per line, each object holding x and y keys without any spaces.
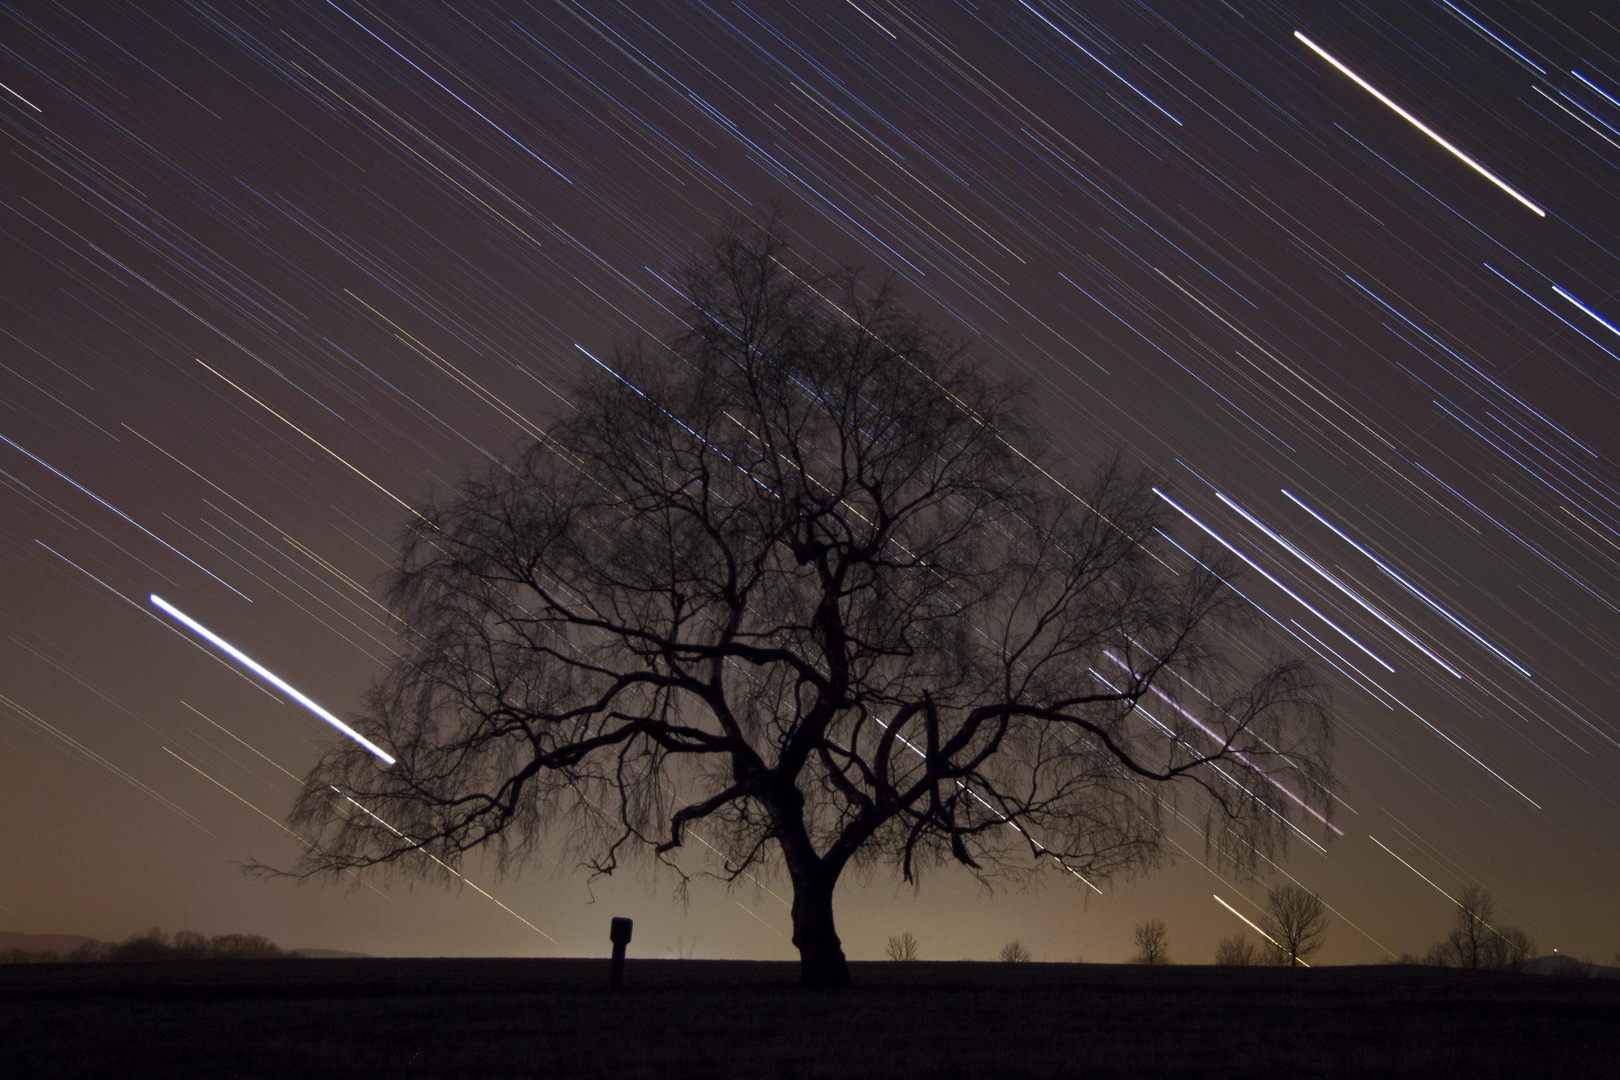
{"x":546,"y":1018}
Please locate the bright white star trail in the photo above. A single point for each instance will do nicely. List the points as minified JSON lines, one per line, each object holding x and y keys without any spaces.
{"x":265,"y":673}
{"x":1421,"y":126}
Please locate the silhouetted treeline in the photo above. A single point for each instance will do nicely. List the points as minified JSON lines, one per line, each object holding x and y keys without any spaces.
{"x":154,"y":944}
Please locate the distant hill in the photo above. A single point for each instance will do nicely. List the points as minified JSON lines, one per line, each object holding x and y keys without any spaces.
{"x":329,"y":954}
{"x":35,"y":943}
{"x":1559,"y":964}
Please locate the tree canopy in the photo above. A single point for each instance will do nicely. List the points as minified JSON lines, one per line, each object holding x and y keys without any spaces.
{"x":807,"y":579}
{"x":1299,"y":923}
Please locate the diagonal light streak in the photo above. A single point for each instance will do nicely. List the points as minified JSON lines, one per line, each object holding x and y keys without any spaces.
{"x":265,"y":673}
{"x":1421,"y":126}
{"x":1306,"y":604}
{"x":1257,"y":930}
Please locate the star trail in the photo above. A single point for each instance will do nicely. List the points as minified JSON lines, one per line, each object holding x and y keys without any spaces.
{"x":1344,"y":276}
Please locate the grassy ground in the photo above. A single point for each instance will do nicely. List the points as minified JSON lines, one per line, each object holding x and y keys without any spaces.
{"x":554,"y":1018}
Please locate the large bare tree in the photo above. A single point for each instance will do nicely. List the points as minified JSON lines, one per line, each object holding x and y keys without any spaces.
{"x":804,"y":579}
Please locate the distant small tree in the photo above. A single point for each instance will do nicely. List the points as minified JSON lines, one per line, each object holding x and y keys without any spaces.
{"x":1014,"y":953}
{"x":1152,"y":943}
{"x":903,"y":947}
{"x":1236,"y":951}
{"x":1298,"y":921}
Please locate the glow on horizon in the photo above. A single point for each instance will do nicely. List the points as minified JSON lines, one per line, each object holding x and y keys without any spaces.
{"x":1420,"y":125}
{"x":266,"y":674}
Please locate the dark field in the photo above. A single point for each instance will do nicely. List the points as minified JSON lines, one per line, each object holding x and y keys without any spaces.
{"x":499,"y":1018}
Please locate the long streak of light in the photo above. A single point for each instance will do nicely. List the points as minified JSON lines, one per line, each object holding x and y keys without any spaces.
{"x":244,"y":742}
{"x":1482,"y":28}
{"x":1410,"y":867}
{"x":1070,"y":39}
{"x":266,"y":674}
{"x":1246,"y":919}
{"x":1341,"y":586}
{"x":1218,"y":877}
{"x":37,"y":109}
{"x":451,"y":92}
{"x":1219,"y":741}
{"x":58,"y":472}
{"x":1343,"y":666}
{"x":1262,"y":571}
{"x":268,"y":818}
{"x":1437,"y":888}
{"x":1466,"y":754}
{"x":1595,"y":86}
{"x":1420,"y":125}
{"x":1409,"y":587}
{"x":451,"y":869}
{"x":1418,"y":716}
{"x":340,"y":458}
{"x":75,"y":744}
{"x":1606,"y":323}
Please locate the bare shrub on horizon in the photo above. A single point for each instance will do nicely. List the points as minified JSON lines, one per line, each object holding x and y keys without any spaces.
{"x":903,"y":946}
{"x":1237,"y":951}
{"x":1152,"y":943}
{"x":1014,"y":953}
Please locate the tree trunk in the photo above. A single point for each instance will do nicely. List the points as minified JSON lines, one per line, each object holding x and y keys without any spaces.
{"x":821,"y":954}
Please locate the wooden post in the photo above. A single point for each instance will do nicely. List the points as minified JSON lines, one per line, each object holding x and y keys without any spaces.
{"x":619,"y":934}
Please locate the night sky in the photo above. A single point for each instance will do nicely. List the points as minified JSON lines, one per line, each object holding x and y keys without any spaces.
{"x":271,"y":272}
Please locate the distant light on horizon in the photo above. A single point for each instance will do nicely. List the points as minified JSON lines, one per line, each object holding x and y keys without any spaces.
{"x":266,"y":674}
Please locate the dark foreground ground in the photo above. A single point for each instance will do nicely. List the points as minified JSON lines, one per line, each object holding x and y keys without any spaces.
{"x":557,"y":1018}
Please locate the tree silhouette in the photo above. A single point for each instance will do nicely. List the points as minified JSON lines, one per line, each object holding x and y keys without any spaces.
{"x":903,"y":946}
{"x":1152,"y":943}
{"x":1468,"y":944}
{"x":1298,"y":921}
{"x":805,"y":578}
{"x":1014,"y":953}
